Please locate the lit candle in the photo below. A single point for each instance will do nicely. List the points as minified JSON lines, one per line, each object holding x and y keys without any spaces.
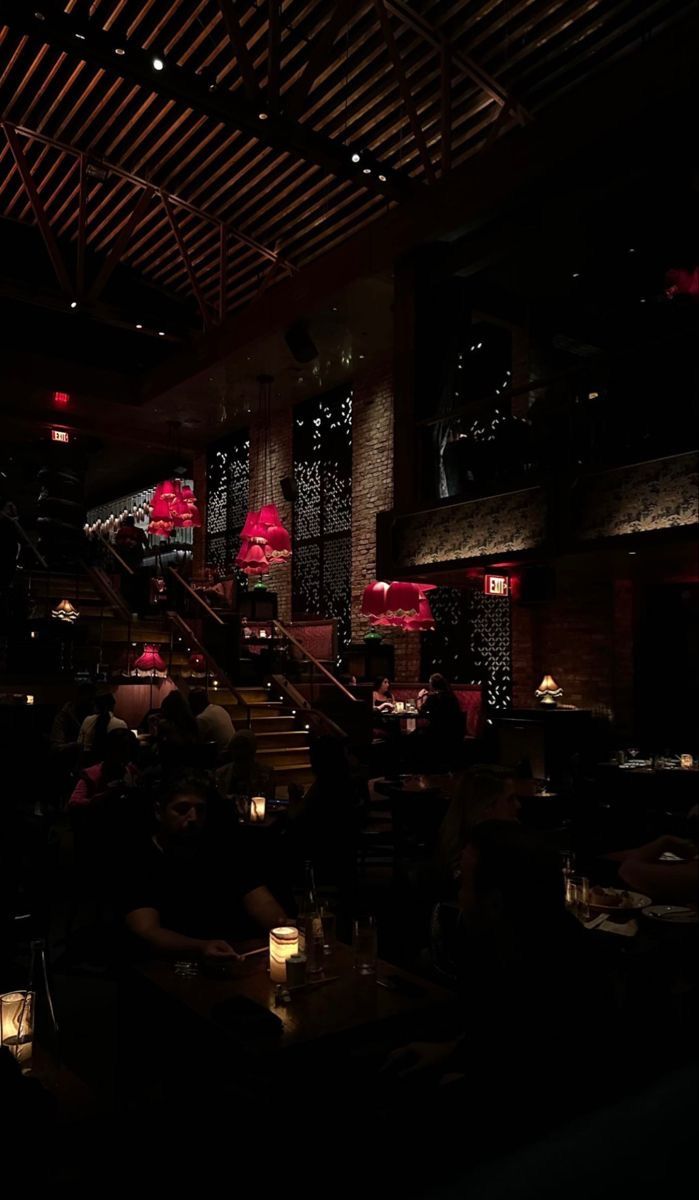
{"x":283,"y":942}
{"x":257,"y":809}
{"x":17,"y":1026}
{"x":686,"y":761}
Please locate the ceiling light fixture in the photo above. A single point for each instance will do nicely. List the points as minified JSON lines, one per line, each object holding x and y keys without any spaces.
{"x":81,"y":37}
{"x":366,"y":170}
{"x":382,"y":179}
{"x":120,"y":51}
{"x":73,"y":304}
{"x":262,"y":115}
{"x":158,"y":63}
{"x":139,"y":327}
{"x":161,"y":333}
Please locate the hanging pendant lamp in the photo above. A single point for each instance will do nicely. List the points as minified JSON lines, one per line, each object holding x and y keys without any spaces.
{"x":150,"y":662}
{"x":264,"y":542}
{"x":402,"y":599}
{"x":65,"y":611}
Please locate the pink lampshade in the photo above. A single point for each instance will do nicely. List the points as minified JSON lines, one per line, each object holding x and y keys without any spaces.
{"x":251,"y":522}
{"x":424,"y":619}
{"x":374,"y":600}
{"x":151,"y":660}
{"x":269,"y":515}
{"x":167,"y":490}
{"x":279,"y":542}
{"x":402,"y":599}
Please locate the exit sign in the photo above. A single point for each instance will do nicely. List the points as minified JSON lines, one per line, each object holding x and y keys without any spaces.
{"x":61,"y":399}
{"x":496,"y":585}
{"x":60,"y":435}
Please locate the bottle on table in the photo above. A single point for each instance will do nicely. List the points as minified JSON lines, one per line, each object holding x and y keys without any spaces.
{"x":311,"y":924}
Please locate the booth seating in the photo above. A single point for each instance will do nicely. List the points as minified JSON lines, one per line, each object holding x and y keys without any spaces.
{"x":469,"y":695}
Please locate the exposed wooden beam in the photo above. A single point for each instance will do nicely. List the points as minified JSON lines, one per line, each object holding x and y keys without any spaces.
{"x":191,"y":273}
{"x":240,"y":48}
{"x":319,"y":54}
{"x":482,"y":78}
{"x":39,"y":211}
{"x":445,"y":109}
{"x":222,"y":272}
{"x":274,"y":37}
{"x":235,"y":112}
{"x":120,"y":243}
{"x":404,"y":86}
{"x":82,"y":226}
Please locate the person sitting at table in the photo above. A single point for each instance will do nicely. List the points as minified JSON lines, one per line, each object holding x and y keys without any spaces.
{"x":190,"y":891}
{"x":67,"y":723}
{"x":441,"y":741}
{"x":382,"y":697}
{"x":178,"y":732}
{"x":483,"y":793}
{"x":669,"y":882}
{"x":214,"y":722}
{"x":117,"y":771}
{"x":94,"y":729}
{"x":243,"y":776}
{"x":527,"y":981}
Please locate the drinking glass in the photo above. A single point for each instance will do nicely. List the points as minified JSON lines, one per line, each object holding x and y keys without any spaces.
{"x":578,"y":892}
{"x":364,"y":945}
{"x":329,"y":930}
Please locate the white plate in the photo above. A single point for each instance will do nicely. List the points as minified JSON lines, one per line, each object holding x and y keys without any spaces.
{"x":672,"y":914}
{"x":634,"y":902}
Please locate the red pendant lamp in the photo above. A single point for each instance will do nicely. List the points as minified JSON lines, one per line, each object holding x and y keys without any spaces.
{"x":264,"y":542}
{"x":402,"y":599}
{"x":374,"y":600}
{"x":424,"y":620}
{"x":150,"y":662}
{"x":161,"y":522}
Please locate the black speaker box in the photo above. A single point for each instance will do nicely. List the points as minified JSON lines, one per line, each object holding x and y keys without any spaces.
{"x":538,"y":585}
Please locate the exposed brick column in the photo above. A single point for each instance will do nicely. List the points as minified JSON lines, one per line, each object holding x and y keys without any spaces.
{"x":372,"y":493}
{"x":265,"y":489}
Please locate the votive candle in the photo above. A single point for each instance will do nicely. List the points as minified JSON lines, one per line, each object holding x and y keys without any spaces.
{"x":283,"y":942}
{"x":17,"y":1026}
{"x":257,"y":809}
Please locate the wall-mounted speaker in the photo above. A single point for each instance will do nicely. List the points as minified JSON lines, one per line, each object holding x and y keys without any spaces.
{"x":300,"y":342}
{"x":537,"y":585}
{"x":290,"y":488}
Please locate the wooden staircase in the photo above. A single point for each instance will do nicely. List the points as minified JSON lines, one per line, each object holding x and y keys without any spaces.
{"x":282,"y":741}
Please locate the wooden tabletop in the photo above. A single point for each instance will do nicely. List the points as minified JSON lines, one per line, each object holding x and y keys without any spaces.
{"x":347,"y":1002}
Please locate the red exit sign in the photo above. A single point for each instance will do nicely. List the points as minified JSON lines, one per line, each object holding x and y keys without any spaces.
{"x":496,"y":585}
{"x":60,"y":435}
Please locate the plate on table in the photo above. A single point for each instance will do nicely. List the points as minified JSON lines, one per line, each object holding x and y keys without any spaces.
{"x":614,"y":900}
{"x":672,"y":914}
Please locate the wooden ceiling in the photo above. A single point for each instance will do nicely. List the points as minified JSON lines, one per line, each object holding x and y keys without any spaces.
{"x":232,"y":167}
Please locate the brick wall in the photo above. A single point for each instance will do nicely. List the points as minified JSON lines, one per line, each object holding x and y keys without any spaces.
{"x":583,"y":637}
{"x":372,"y":493}
{"x":265,"y":489}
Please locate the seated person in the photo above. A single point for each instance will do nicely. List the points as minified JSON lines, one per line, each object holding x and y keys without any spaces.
{"x":243,"y":776}
{"x":94,"y":729}
{"x":214,"y":722}
{"x":483,"y":793}
{"x":65,"y":730}
{"x":444,"y":734}
{"x":107,"y":778}
{"x":192,"y":892}
{"x":178,"y":732}
{"x":382,"y":697}
{"x":665,"y":882}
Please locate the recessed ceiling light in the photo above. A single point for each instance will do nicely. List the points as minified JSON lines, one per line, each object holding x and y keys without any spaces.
{"x":632,"y":553}
{"x":119,"y":50}
{"x":39,"y":16}
{"x":262,"y":115}
{"x":643,"y":299}
{"x":157,"y":63}
{"x":366,"y":170}
{"x":73,"y":304}
{"x":81,"y":37}
{"x":382,"y":178}
{"x":632,"y":249}
{"x":361,"y":356}
{"x":161,"y":333}
{"x":576,"y":274}
{"x":139,"y":327}
{"x":356,"y":156}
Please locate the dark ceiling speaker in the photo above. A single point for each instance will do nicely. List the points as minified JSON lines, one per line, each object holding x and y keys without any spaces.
{"x":300,"y":342}
{"x":537,"y":584}
{"x":290,"y":488}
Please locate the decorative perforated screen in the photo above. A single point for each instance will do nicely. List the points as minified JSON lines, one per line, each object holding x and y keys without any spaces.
{"x":472,"y":643}
{"x":227,"y":499}
{"x":322,"y":561}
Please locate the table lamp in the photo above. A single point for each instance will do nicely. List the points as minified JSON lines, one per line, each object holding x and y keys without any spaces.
{"x":17,"y":1026}
{"x":283,"y":942}
{"x":548,"y":691}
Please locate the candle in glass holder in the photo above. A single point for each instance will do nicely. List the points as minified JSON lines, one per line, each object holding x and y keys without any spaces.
{"x":686,"y":761}
{"x":17,"y":1026}
{"x":257,"y":809}
{"x":283,"y":942}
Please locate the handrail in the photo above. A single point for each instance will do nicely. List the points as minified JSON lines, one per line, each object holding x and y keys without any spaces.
{"x":195,"y":595}
{"x":101,"y":581}
{"x":26,"y":538}
{"x":307,"y":654}
{"x":113,"y":551}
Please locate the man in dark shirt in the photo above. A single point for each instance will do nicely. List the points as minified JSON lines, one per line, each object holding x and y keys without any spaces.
{"x":191,"y":892}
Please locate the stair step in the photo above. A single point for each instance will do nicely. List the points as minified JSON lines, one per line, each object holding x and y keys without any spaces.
{"x":266,"y":724}
{"x":283,"y":740}
{"x":279,"y":759}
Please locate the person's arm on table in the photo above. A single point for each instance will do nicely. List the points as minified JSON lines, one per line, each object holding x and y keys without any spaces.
{"x":652,"y":851}
{"x":145,"y":924}
{"x":260,"y":904}
{"x":666,"y":883}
